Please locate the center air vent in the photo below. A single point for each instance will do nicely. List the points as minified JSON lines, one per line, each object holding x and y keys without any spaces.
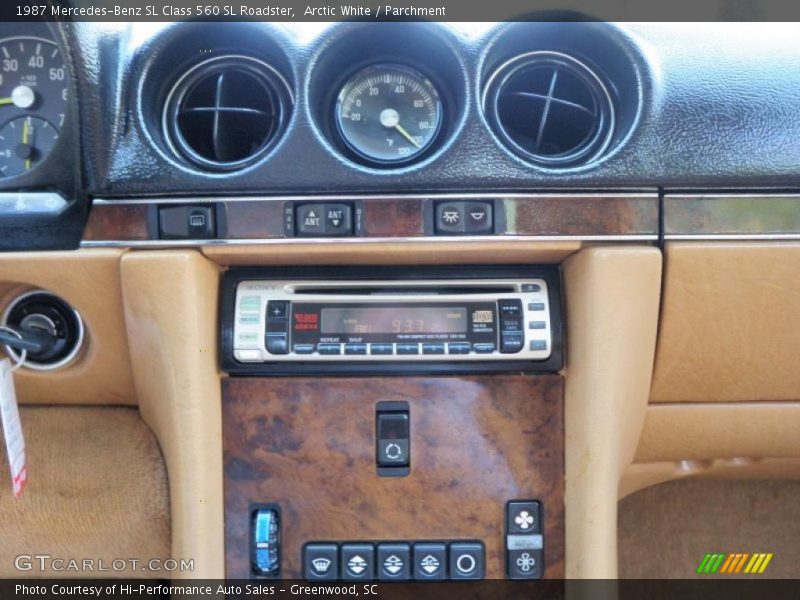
{"x":550,"y":108}
{"x":227,"y":112}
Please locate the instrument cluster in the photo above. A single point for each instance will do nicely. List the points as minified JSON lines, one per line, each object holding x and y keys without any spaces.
{"x":34,"y":91}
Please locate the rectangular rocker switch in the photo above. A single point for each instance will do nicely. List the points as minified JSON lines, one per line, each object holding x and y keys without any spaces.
{"x":393,"y":451}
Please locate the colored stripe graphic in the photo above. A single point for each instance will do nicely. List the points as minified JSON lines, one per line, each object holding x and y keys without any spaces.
{"x":754,"y":563}
{"x":723,"y":563}
{"x":728,"y":564}
{"x":701,"y":567}
{"x":741,"y":562}
{"x":765,"y":563}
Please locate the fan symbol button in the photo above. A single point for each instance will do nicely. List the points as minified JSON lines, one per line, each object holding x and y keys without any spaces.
{"x":524,"y":520}
{"x":526,"y":562}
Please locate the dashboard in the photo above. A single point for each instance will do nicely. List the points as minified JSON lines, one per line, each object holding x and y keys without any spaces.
{"x":138,"y":111}
{"x":515,"y":266}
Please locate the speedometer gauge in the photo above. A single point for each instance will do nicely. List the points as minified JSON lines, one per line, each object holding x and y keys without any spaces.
{"x":33,"y":100}
{"x":388,"y":114}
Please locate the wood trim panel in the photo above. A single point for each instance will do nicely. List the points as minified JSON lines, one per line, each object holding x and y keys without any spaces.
{"x":577,"y":215}
{"x":117,"y":222}
{"x":582,"y":215}
{"x":254,"y":220}
{"x":476,"y":442}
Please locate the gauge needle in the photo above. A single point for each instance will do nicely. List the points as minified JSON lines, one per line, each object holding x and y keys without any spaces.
{"x":4,"y":101}
{"x":26,"y":131}
{"x":406,"y":135}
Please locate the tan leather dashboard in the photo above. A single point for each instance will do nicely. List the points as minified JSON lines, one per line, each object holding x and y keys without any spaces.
{"x":90,"y":281}
{"x":724,"y":400}
{"x":730,"y":323}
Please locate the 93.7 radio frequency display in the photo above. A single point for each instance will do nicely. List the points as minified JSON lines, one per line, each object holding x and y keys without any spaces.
{"x":394,"y":319}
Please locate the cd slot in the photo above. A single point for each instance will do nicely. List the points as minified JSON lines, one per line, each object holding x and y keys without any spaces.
{"x":401,"y":291}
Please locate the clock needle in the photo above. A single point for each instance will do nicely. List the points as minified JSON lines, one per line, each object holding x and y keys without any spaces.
{"x":25,"y":135}
{"x":406,"y":135}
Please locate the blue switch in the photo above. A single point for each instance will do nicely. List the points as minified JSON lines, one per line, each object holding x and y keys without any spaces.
{"x":266,"y":539}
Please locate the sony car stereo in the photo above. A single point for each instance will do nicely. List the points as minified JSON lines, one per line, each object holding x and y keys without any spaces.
{"x":438,"y":320}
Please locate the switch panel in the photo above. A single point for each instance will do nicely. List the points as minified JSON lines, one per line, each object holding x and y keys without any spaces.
{"x":460,"y":217}
{"x":187,"y":222}
{"x":431,"y":561}
{"x":524,"y":540}
{"x":266,"y":541}
{"x":392,"y":433}
{"x":325,"y":220}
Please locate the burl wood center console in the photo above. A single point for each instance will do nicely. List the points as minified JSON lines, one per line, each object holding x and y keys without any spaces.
{"x":418,"y":475}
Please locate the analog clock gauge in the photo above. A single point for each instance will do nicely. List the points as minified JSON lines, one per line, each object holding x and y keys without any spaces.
{"x":388,"y":114}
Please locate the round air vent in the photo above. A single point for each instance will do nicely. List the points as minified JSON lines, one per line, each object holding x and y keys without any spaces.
{"x":550,"y":108}
{"x":227,"y":112}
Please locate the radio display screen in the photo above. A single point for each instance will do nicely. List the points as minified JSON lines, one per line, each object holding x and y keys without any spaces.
{"x":395,"y":320}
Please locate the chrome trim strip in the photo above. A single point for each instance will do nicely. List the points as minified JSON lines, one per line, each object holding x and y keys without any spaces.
{"x":732,"y":216}
{"x":742,"y":237}
{"x":631,"y":194}
{"x":356,"y":240}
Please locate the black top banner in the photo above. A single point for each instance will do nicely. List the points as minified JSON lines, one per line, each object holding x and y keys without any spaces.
{"x":294,"y":11}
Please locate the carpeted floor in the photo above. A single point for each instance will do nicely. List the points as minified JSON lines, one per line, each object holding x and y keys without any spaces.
{"x":97,"y":489}
{"x":666,"y":530}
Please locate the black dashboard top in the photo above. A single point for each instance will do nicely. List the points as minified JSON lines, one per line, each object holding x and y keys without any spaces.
{"x":694,"y":106}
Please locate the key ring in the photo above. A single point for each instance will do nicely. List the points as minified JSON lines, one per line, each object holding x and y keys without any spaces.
{"x":23,"y":353}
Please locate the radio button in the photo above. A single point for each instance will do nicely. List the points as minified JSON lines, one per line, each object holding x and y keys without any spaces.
{"x":537,"y":325}
{"x":249,"y":319}
{"x":329,"y":348}
{"x":277,"y":326}
{"x":277,"y":309}
{"x":381,"y":349}
{"x":277,"y":343}
{"x":303,"y":348}
{"x":511,"y":343}
{"x":433,"y":348}
{"x":250,"y":303}
{"x":510,"y":308}
{"x":483,"y":348}
{"x":458,"y":348}
{"x":510,"y":325}
{"x":531,"y":287}
{"x":355,"y":348}
{"x":536,"y":306}
{"x":248,"y":340}
{"x":538,"y":345}
{"x":248,"y":355}
{"x":408,"y":348}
